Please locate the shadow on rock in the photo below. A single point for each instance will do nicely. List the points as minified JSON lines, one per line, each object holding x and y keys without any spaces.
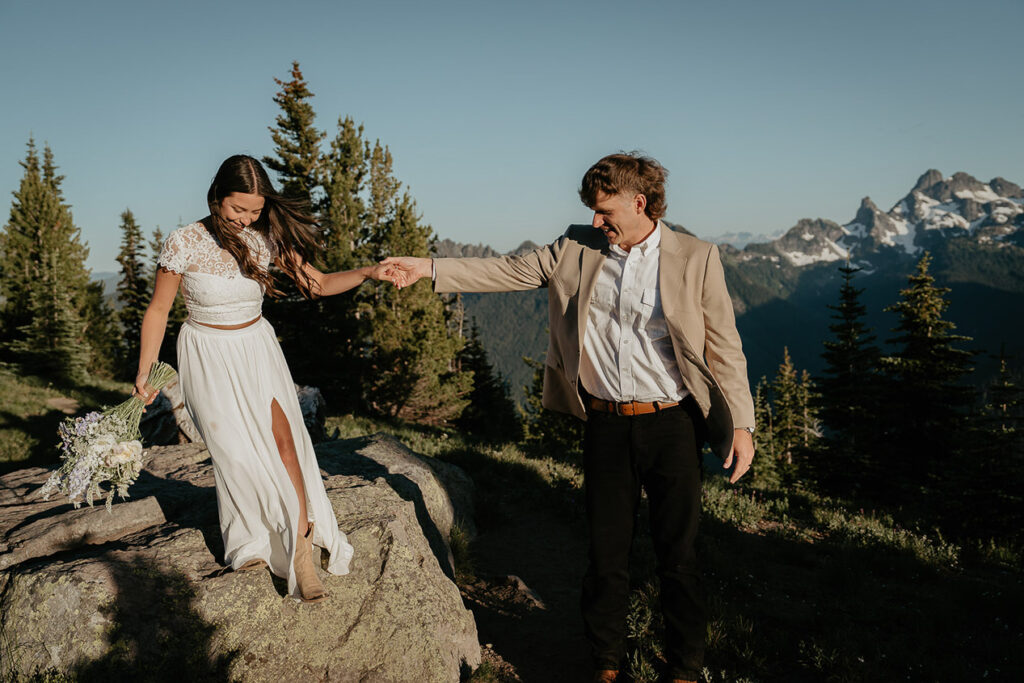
{"x":155,"y":631}
{"x":355,"y":464}
{"x":185,"y":505}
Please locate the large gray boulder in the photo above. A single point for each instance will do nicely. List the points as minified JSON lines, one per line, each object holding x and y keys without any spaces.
{"x":140,"y":594}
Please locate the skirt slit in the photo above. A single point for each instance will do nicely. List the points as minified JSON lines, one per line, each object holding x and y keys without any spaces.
{"x":230,"y":380}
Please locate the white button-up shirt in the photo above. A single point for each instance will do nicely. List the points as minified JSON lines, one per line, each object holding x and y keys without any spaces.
{"x":627,"y":351}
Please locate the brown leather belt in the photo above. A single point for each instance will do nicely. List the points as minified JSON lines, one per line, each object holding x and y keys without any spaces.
{"x":630,"y":408}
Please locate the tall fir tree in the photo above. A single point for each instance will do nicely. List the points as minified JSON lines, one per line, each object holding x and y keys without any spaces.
{"x":341,"y":209}
{"x":850,"y":396}
{"x":557,"y":435}
{"x":101,"y":329}
{"x":990,"y":482}
{"x":296,"y":139}
{"x":411,"y":353}
{"x":928,"y":403}
{"x":787,"y":410}
{"x":133,"y":292}
{"x":45,"y":281}
{"x":491,"y":413}
{"x":766,"y":465}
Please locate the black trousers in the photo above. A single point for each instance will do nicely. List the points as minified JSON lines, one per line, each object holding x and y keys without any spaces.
{"x":661,"y":453}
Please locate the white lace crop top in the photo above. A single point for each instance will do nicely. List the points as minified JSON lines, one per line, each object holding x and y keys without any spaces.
{"x":216,"y":291}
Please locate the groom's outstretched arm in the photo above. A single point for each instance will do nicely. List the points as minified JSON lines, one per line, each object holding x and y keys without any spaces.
{"x":496,"y":274}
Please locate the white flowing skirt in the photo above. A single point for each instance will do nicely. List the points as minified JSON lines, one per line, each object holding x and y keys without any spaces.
{"x":230,"y":379}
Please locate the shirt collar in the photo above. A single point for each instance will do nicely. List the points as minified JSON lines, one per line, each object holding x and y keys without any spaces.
{"x":648,"y":246}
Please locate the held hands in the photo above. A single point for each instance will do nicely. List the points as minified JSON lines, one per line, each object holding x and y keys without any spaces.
{"x":406,"y":270}
{"x":742,"y":454}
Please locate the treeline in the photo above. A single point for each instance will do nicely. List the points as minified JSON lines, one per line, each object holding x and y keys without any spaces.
{"x":900,"y":427}
{"x":400,"y":353}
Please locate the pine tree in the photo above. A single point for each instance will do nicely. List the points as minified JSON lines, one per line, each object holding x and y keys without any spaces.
{"x":341,"y":209}
{"x":52,"y":343}
{"x":557,"y":435}
{"x":296,"y":139}
{"x":990,"y":482}
{"x":927,"y":403}
{"x":45,"y":281}
{"x":101,"y":329}
{"x":766,"y":465}
{"x":491,"y":412}
{"x":787,"y":410}
{"x":411,"y":369}
{"x":133,"y":292}
{"x":850,"y":398}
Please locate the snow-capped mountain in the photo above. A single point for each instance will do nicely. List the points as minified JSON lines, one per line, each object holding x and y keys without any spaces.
{"x":936,"y":207}
{"x":742,"y":239}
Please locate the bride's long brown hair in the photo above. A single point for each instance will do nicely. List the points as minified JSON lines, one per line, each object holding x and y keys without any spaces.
{"x":286,"y":222}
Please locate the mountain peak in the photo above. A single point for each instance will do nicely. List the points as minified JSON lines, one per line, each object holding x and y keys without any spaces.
{"x":1004,"y":188}
{"x":929,"y":178}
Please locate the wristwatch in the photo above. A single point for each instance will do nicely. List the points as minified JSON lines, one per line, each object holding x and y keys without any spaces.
{"x":749,"y":430}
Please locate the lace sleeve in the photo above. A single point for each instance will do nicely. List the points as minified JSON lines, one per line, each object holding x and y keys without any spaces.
{"x":173,"y":256}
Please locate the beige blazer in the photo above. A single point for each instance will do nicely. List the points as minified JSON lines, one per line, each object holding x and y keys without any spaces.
{"x":694,"y":297}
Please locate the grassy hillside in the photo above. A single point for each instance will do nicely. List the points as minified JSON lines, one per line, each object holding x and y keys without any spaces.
{"x":802,"y":587}
{"x":31,"y":409}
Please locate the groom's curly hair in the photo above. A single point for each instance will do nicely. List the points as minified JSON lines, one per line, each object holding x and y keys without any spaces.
{"x":630,"y":172}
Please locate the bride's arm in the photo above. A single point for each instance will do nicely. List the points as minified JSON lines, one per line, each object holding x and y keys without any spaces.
{"x":329,"y":284}
{"x":154,"y":324}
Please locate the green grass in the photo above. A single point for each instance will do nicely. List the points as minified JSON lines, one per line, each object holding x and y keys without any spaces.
{"x":28,"y":427}
{"x":801,"y":586}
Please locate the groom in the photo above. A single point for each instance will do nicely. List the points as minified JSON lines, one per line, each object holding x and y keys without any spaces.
{"x":643,"y":346}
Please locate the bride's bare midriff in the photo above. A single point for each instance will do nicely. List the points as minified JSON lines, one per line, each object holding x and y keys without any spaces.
{"x":231,"y":327}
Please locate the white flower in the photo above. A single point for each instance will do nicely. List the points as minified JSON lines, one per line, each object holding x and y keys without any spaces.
{"x":124,"y":453}
{"x":101,"y":444}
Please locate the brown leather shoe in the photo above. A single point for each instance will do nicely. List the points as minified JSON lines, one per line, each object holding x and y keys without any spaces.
{"x":606,"y":676}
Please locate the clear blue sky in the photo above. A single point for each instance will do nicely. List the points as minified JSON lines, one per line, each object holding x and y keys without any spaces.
{"x":764,"y":112}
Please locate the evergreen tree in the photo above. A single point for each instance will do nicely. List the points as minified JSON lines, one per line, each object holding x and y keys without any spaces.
{"x":133,"y":292}
{"x":101,"y":329}
{"x":411,"y":369}
{"x":491,"y":412}
{"x":990,"y":482}
{"x":341,"y":209}
{"x":927,"y":402}
{"x":766,"y":466}
{"x":557,"y":435}
{"x":296,"y":139}
{"x":787,"y":410}
{"x":849,"y":389}
{"x":45,"y":281}
{"x":52,"y":342}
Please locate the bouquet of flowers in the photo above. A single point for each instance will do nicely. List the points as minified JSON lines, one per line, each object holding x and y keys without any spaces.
{"x":103,"y":447}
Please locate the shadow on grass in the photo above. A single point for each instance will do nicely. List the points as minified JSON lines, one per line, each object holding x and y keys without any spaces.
{"x":38,"y":430}
{"x":841,"y":608}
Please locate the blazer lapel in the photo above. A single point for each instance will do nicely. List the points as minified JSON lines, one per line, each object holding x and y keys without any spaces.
{"x":590,"y":266}
{"x":670,"y":271}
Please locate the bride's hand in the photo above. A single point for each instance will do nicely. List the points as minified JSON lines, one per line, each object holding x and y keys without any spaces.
{"x":147,"y":393}
{"x":387,"y":273}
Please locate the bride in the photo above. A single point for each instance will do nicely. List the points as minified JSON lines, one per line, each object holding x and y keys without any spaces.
{"x":237,"y":387}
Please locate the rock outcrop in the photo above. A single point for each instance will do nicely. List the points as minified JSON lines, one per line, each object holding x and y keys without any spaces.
{"x":140,"y":593}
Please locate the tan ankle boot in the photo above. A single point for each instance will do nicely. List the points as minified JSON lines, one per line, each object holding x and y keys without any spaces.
{"x":310,"y":587}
